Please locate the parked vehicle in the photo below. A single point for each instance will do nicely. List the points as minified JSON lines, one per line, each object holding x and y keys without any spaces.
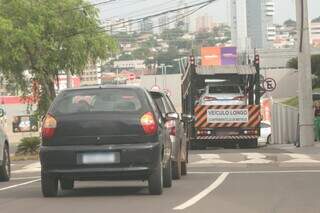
{"x":223,"y":95}
{"x":265,"y":132}
{"x":5,"y":167}
{"x":177,"y":135}
{"x":105,"y":133}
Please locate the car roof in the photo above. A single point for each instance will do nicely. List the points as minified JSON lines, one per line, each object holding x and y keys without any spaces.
{"x":105,"y":87}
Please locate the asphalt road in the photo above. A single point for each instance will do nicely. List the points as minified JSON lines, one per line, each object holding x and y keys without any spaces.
{"x":256,"y":180}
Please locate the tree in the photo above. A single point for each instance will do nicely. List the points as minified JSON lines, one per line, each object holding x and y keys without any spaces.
{"x":315,"y":68}
{"x":41,"y":38}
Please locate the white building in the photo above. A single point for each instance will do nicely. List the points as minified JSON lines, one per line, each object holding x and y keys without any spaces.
{"x":130,"y":65}
{"x":252,"y":24}
{"x":315,"y":33}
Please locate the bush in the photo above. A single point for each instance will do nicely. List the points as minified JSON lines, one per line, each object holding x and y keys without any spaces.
{"x":29,"y":146}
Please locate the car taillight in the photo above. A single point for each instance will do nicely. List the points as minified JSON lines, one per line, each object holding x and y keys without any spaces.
{"x":149,"y":124}
{"x":208,"y":98}
{"x":48,"y":127}
{"x":171,"y":126}
{"x":239,"y":98}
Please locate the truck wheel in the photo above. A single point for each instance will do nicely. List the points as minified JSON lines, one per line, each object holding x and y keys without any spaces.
{"x":66,"y":184}
{"x":176,"y":167}
{"x":167,"y":175}
{"x":183,"y":168}
{"x":254,"y":143}
{"x":197,"y":145}
{"x":243,"y":144}
{"x":5,"y":168}
{"x":49,"y":185}
{"x":155,"y":181}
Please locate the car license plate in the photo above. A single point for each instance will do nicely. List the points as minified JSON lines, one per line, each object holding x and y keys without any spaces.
{"x":100,"y":158}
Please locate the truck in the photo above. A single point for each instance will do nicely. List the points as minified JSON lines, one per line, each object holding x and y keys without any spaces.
{"x":222,"y":104}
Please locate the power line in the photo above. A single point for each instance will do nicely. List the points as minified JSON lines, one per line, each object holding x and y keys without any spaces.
{"x":89,"y":5}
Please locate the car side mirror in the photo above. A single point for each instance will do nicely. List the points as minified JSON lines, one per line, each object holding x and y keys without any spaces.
{"x":187,"y":117}
{"x":172,"y":116}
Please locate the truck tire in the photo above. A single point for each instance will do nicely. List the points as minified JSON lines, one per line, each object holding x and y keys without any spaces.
{"x":49,"y":185}
{"x":176,"y":167}
{"x":167,"y":175}
{"x":155,"y":181}
{"x":184,"y":168}
{"x":248,"y":144}
{"x":5,"y":168}
{"x":253,"y":144}
{"x":66,"y":183}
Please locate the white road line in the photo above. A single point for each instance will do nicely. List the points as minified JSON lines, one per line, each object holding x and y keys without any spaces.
{"x":204,"y":193}
{"x":21,"y":184}
{"x":25,"y":178}
{"x":258,"y":172}
{"x":210,"y":159}
{"x":255,"y":158}
{"x":300,"y":158}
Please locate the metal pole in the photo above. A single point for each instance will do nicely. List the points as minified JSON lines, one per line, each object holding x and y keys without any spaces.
{"x":305,"y":82}
{"x":68,"y":79}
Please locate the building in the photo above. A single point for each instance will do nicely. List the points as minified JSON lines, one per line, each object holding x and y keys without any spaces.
{"x":129,"y":65}
{"x":204,"y":23}
{"x":252,"y":24}
{"x":90,"y":75}
{"x":163,"y":23}
{"x":118,"y":25}
{"x":315,"y":32}
{"x":146,"y":26}
{"x":182,"y":17}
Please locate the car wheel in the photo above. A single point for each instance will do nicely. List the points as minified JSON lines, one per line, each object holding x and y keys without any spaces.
{"x":155,"y":181}
{"x":269,"y":139}
{"x":176,"y":167}
{"x":183,"y":168}
{"x":5,"y":168}
{"x":167,"y":175}
{"x":49,"y":185}
{"x":66,"y":184}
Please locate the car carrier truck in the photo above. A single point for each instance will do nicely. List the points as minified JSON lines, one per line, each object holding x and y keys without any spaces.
{"x":223,"y":102}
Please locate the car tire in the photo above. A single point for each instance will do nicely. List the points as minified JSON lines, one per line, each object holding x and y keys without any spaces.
{"x":176,"y":167}
{"x":269,"y":139}
{"x":155,"y":181}
{"x":5,"y":168}
{"x":167,"y":174}
{"x":184,"y":168}
{"x":49,"y":185}
{"x":66,"y":184}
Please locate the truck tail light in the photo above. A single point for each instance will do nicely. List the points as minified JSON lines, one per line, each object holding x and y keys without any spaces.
{"x":149,"y":124}
{"x":239,"y":98}
{"x":208,"y":98}
{"x":172,"y":127}
{"x":48,"y":127}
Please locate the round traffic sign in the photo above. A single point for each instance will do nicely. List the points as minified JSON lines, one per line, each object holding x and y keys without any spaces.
{"x":269,"y":84}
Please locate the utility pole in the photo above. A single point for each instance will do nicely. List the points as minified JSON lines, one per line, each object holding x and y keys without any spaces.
{"x":305,"y":81}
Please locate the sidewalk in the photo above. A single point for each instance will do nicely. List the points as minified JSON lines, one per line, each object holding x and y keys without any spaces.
{"x":315,"y":149}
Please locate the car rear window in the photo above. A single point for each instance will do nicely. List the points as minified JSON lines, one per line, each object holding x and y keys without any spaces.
{"x":97,"y":100}
{"x":224,"y":89}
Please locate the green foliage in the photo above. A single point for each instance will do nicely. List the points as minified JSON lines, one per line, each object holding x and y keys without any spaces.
{"x":315,"y":68}
{"x":28,"y":146}
{"x":45,"y":37}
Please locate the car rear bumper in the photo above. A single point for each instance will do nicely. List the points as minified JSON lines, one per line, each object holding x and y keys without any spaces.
{"x":136,"y":162}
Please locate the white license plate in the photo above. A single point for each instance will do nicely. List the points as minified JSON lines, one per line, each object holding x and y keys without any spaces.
{"x":100,"y":158}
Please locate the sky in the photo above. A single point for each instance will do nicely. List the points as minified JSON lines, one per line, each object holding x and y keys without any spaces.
{"x":285,"y":9}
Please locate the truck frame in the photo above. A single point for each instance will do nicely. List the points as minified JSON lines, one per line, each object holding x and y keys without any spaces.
{"x":202,"y":131}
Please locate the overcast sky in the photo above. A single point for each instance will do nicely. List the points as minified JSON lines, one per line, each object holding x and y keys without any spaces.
{"x":285,"y":9}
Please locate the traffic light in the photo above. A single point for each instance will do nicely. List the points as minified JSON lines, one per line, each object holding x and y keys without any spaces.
{"x":192,"y":60}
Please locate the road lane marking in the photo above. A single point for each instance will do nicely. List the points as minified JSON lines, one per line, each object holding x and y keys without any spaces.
{"x":210,"y":159}
{"x":255,"y":158}
{"x":258,"y":172}
{"x":18,"y":185}
{"x":300,"y":158}
{"x":25,"y":178}
{"x":204,"y":193}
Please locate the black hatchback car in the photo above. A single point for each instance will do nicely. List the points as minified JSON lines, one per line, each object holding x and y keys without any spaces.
{"x":104,"y":133}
